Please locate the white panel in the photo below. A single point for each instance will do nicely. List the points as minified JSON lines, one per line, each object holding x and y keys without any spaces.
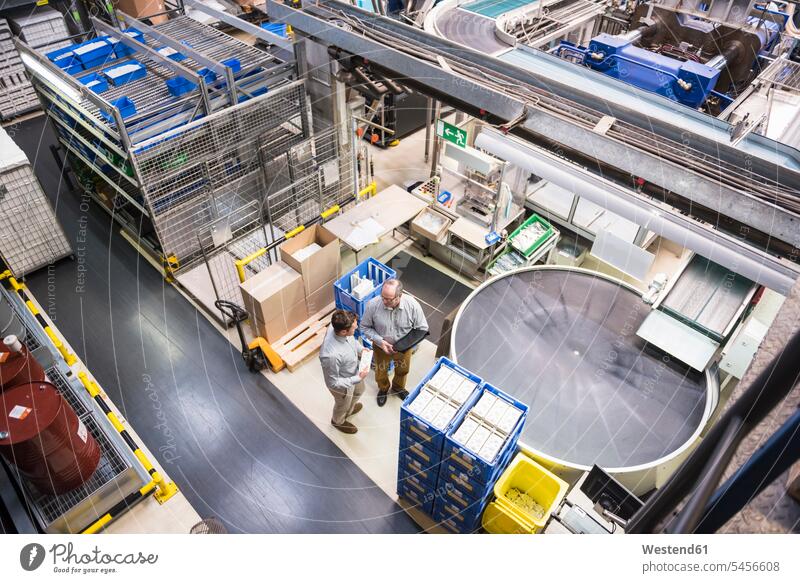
{"x":626,"y":257}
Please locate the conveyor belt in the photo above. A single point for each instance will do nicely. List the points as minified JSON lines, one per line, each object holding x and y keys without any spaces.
{"x":471,"y":30}
{"x":495,"y":8}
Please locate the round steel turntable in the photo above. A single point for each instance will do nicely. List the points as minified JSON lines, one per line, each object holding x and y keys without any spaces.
{"x":563,"y":341}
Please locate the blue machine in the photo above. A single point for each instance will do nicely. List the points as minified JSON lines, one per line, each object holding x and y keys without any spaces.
{"x":687,"y":82}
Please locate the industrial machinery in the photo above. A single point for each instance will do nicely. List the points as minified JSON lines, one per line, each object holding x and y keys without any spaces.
{"x":665,"y":167}
{"x":691,"y":52}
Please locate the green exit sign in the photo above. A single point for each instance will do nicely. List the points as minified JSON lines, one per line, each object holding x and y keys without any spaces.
{"x":451,"y":133}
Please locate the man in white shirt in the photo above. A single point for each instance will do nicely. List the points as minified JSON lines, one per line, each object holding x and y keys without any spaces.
{"x":339,"y":356}
{"x":386,"y":320}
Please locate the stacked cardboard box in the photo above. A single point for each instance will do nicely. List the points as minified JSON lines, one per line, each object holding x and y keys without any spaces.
{"x":275,"y":300}
{"x":285,"y":294}
{"x":319,"y":269}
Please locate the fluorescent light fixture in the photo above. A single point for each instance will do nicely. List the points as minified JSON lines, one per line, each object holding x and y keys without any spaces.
{"x":52,"y":79}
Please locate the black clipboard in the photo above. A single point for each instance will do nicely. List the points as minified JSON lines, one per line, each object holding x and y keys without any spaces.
{"x":410,"y":340}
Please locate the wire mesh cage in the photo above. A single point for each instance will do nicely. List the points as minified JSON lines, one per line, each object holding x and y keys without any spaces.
{"x":181,"y":161}
{"x":30,"y":234}
{"x":211,"y":169}
{"x":297,"y":186}
{"x":118,"y":473}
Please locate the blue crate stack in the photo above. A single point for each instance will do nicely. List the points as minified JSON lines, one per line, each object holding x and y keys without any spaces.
{"x":422,"y":439}
{"x":371,"y":269}
{"x":467,"y":477}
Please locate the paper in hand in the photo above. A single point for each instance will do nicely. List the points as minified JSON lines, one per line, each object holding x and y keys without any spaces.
{"x":366,"y":360}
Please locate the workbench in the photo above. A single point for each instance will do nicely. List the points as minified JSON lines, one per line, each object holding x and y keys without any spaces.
{"x":390,"y":208}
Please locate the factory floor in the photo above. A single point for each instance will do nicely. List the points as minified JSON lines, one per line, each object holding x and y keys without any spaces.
{"x":256,"y":451}
{"x":235,"y":445}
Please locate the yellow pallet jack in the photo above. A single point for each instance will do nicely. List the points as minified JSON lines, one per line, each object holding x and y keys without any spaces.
{"x":257,"y":353}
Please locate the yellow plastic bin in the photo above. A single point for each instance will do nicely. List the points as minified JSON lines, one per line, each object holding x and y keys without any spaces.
{"x":503,"y":516}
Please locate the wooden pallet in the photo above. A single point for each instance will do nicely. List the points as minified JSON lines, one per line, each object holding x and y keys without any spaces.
{"x":301,"y":344}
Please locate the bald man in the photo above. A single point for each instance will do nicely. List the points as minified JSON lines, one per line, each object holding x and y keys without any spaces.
{"x":386,"y":319}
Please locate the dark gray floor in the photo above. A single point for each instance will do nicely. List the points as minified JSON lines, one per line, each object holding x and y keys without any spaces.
{"x":438,"y":293}
{"x":236,"y":447}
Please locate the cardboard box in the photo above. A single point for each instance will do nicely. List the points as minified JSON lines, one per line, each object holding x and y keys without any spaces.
{"x":321,"y":267}
{"x":274,"y":292}
{"x":431,"y":224}
{"x":277,"y":327}
{"x":143,"y":8}
{"x":320,"y":299}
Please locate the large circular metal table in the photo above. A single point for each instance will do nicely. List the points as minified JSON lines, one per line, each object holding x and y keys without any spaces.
{"x":563,"y":341}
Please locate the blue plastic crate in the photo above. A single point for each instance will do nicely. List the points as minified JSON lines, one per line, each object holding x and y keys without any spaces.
{"x":450,"y":523}
{"x":121,"y":49}
{"x":426,"y":456}
{"x":101,"y":62}
{"x":421,"y":438}
{"x":171,"y":53}
{"x":125,"y":72}
{"x":452,"y":474}
{"x":422,"y":430}
{"x":93,"y":51}
{"x":75,"y":69}
{"x":412,"y":465}
{"x":477,"y":468}
{"x":370,"y":268}
{"x":207,"y":74}
{"x":63,"y":57}
{"x":462,"y":499}
{"x":95,"y":82}
{"x":422,"y":502}
{"x":275,"y":28}
{"x":468,"y":480}
{"x":125,"y":105}
{"x":233,"y":64}
{"x":178,"y":86}
{"x":466,"y":520}
{"x":423,"y":487}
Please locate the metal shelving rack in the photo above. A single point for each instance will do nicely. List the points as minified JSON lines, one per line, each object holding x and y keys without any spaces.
{"x":16,"y":93}
{"x":130,"y":158}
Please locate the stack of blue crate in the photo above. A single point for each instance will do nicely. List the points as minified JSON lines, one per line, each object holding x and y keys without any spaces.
{"x":425,"y":418}
{"x":478,"y":446}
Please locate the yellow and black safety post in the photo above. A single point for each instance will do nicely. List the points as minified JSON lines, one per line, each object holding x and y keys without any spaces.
{"x":158,"y":486}
{"x":170,"y":264}
{"x":19,"y":288}
{"x":163,"y":490}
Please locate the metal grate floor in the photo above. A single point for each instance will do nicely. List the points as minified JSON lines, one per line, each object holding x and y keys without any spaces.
{"x":111,"y":465}
{"x":62,"y":384}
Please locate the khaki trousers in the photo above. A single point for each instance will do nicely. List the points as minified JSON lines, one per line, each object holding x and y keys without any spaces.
{"x":345,"y":401}
{"x":402,"y":364}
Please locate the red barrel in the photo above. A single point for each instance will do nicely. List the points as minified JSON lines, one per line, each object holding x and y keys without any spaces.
{"x":41,"y":435}
{"x":17,"y":365}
